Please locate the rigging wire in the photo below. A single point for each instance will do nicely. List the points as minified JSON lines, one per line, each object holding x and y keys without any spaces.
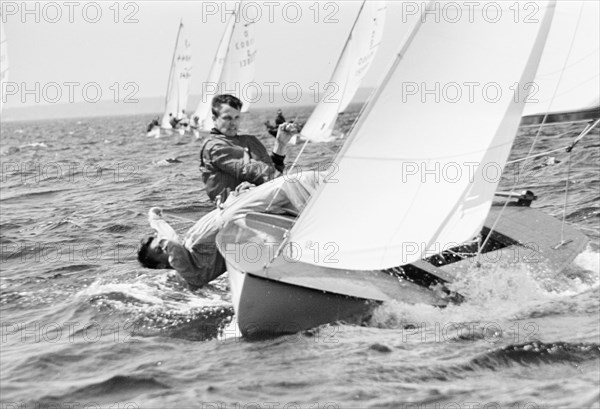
{"x":591,"y":125}
{"x":562,"y":228}
{"x":546,"y":114}
{"x":291,"y":167}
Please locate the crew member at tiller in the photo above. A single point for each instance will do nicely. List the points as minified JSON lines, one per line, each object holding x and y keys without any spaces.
{"x":228,"y":159}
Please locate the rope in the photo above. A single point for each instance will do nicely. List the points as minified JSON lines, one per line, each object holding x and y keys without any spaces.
{"x":538,"y":130}
{"x":510,"y":162}
{"x":179,"y":218}
{"x":554,"y":123}
{"x":562,"y":228}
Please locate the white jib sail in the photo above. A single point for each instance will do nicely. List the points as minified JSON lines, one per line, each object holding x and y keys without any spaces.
{"x":3,"y":63}
{"x":423,"y":162}
{"x":209,"y":87}
{"x":179,"y":79}
{"x":354,"y":62}
{"x":568,"y":78}
{"x":233,"y":69}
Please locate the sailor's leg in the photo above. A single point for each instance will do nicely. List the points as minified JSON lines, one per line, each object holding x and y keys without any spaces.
{"x":205,"y":230}
{"x":256,"y":199}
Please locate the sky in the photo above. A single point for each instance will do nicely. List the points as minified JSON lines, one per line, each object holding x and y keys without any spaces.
{"x":127,"y":47}
{"x":133,"y":42}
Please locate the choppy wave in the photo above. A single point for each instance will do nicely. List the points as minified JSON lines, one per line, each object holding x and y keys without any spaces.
{"x":514,"y":328}
{"x":536,"y":353}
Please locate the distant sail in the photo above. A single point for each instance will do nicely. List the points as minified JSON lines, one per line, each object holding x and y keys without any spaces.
{"x":3,"y":63}
{"x":179,"y":79}
{"x":233,"y":68}
{"x":569,"y":75}
{"x":354,"y":62}
{"x":417,"y":172}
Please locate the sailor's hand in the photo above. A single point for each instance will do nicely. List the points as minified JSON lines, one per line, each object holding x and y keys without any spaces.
{"x":155,"y":213}
{"x":243,"y":187}
{"x":285,"y":132}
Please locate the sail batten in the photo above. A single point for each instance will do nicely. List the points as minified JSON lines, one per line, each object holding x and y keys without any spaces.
{"x":400,"y":214}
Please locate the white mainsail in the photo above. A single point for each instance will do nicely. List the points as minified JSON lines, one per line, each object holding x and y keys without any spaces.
{"x":568,"y":78}
{"x":3,"y":63}
{"x":179,"y":79}
{"x":440,"y":125}
{"x":354,"y":62}
{"x":233,"y":68}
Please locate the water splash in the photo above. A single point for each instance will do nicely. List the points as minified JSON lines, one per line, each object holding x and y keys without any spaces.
{"x":493,"y":293}
{"x":159,"y":292}
{"x":159,"y":305}
{"x":589,"y":260}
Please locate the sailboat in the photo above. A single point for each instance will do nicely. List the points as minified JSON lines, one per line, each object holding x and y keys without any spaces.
{"x":354,"y":62}
{"x":3,"y":63}
{"x":232,"y":69}
{"x":177,"y":88}
{"x":381,"y":251}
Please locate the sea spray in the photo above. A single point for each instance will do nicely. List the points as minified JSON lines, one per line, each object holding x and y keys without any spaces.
{"x":493,"y":294}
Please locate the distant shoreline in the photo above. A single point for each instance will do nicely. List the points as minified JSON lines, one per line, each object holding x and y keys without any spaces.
{"x":150,"y":106}
{"x":100,"y":109}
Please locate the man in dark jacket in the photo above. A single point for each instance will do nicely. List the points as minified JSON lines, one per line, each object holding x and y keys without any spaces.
{"x":228,"y":159}
{"x":195,"y":256}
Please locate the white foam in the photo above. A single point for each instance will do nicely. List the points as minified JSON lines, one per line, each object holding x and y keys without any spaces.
{"x":589,"y":260}
{"x":493,"y":293}
{"x":155,"y":295}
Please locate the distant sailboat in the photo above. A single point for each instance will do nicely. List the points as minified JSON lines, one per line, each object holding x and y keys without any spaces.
{"x":233,"y":68}
{"x":354,"y":62}
{"x":178,"y":85}
{"x":3,"y":63}
{"x":342,"y":264}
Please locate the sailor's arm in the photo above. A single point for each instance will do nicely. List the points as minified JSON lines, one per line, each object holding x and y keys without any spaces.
{"x":197,"y":266}
{"x":285,"y":131}
{"x":194,"y":258}
{"x":164,"y":230}
{"x":236,"y":162}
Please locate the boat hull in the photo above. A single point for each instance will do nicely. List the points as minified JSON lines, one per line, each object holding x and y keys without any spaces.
{"x":267,"y":307}
{"x":276,"y":296}
{"x":291,"y":297}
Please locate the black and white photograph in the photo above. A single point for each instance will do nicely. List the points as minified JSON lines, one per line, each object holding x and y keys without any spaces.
{"x":300,"y":204}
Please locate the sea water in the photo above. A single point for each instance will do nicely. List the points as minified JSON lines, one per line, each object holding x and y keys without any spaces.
{"x":85,"y":326}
